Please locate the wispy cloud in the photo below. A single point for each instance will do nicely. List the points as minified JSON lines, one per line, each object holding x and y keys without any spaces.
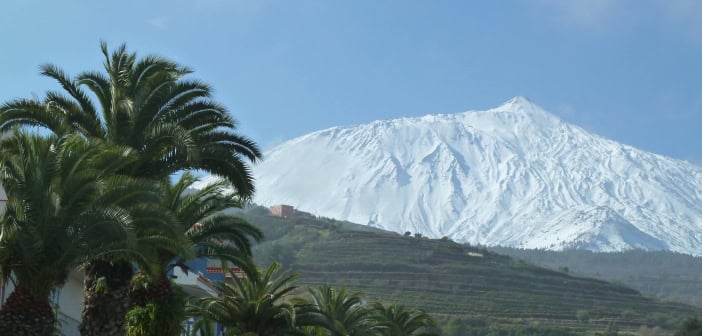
{"x":567,"y":110}
{"x":583,"y":119}
{"x":245,"y":5}
{"x":273,"y":142}
{"x":606,"y":15}
{"x":160,"y":22}
{"x":694,"y":159}
{"x":593,"y":14}
{"x":683,"y":13}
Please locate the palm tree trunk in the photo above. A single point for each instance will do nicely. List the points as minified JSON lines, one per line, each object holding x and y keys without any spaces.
{"x":157,"y":292}
{"x":104,"y":309}
{"x":26,"y":315}
{"x":169,"y":312}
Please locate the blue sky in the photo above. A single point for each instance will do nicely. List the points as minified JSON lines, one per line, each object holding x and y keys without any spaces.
{"x":630,"y":70}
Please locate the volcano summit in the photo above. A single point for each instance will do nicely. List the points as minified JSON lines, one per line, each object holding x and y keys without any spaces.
{"x":514,"y":175}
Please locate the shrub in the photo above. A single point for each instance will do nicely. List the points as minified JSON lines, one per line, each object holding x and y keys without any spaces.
{"x":583,"y":316}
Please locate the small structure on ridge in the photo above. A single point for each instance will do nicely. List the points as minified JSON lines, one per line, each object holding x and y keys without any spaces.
{"x":282,"y":210}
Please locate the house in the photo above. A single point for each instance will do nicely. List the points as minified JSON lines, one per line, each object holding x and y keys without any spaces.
{"x":282,"y":210}
{"x":69,"y":298}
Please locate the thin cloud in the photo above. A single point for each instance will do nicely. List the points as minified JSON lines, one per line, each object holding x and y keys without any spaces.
{"x":272,"y":143}
{"x":580,"y":118}
{"x":697,"y":160}
{"x":567,"y":110}
{"x":160,"y":22}
{"x":606,"y":15}
{"x":683,"y":13}
{"x":591,"y":14}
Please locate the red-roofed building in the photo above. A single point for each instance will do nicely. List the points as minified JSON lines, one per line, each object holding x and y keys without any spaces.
{"x":282,"y":210}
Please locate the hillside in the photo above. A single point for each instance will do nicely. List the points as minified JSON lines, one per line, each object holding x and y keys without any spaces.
{"x":464,"y":286}
{"x":515,"y":175}
{"x":661,"y":274}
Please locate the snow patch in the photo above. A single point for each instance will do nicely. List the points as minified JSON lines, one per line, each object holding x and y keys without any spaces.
{"x":514,"y":175}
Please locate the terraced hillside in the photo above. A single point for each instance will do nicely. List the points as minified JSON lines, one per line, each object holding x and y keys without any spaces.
{"x":468,"y":288}
{"x":661,"y":274}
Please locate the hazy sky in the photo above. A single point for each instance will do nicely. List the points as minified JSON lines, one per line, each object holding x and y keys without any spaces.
{"x":628,"y":70}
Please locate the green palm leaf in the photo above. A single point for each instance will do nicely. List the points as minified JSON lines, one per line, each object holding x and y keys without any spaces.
{"x":339,"y":312}
{"x":256,"y":305}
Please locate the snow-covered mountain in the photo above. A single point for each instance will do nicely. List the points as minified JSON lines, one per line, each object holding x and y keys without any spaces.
{"x":514,"y":175}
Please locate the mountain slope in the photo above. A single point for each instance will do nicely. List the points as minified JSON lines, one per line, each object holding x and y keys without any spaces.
{"x":665,"y":275}
{"x":454,"y":280}
{"x":514,"y":175}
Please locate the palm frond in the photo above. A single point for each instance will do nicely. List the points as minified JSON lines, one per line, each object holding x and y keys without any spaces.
{"x":32,"y":113}
{"x":339,"y":311}
{"x":99,"y":85}
{"x":85,"y":117}
{"x":257,"y":304}
{"x":56,"y":216}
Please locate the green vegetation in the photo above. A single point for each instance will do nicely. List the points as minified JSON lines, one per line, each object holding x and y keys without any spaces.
{"x":94,"y":190}
{"x":664,"y":275}
{"x":691,"y":327}
{"x":266,"y":303}
{"x":399,"y":320}
{"x":256,"y":305}
{"x":339,"y":312}
{"x":55,"y":220}
{"x":200,"y":226}
{"x":159,"y":318}
{"x":142,"y":116}
{"x":464,"y":287}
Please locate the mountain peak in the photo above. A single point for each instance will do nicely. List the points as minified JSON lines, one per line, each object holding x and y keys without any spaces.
{"x":505,"y":176}
{"x":524,"y":105}
{"x":519,"y":103}
{"x":519,"y":100}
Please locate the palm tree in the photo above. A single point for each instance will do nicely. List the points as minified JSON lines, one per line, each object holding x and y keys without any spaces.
{"x":339,"y":312}
{"x":399,"y":320}
{"x":202,"y":226}
{"x":147,"y":105}
{"x":170,"y":123}
{"x":63,"y":201}
{"x":312,"y":331}
{"x":256,"y":305}
{"x":200,"y":213}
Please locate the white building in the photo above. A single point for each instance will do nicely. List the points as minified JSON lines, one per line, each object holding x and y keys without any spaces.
{"x":69,"y":298}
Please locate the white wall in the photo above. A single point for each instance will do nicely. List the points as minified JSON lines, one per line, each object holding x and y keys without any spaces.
{"x":70,"y":302}
{"x":69,"y":299}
